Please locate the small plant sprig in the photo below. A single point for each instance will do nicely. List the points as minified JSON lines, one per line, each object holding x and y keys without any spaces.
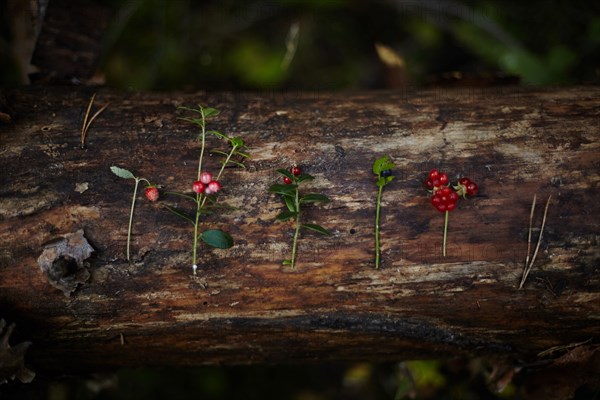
{"x":151,"y":193}
{"x":290,"y":193}
{"x":382,"y":168}
{"x":444,"y":198}
{"x":206,"y":186}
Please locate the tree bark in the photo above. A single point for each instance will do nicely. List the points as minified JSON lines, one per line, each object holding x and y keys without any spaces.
{"x":244,"y":306}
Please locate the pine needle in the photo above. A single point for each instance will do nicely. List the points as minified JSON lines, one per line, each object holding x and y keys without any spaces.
{"x":528,"y":264}
{"x":86,"y":123}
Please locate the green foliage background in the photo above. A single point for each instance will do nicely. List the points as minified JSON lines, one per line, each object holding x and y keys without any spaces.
{"x":226,"y":45}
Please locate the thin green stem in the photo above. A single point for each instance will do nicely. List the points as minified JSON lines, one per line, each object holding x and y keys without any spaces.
{"x":377,"y":248}
{"x":226,"y":161}
{"x":137,"y":181}
{"x":445,"y":232}
{"x":196,"y":223}
{"x":203,"y":126}
{"x":295,"y":243}
{"x":198,"y":195}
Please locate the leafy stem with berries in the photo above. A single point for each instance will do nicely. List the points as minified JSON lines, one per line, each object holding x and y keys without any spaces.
{"x":382,"y":168}
{"x":206,"y":186}
{"x":151,"y":193}
{"x":290,"y":193}
{"x":444,"y":198}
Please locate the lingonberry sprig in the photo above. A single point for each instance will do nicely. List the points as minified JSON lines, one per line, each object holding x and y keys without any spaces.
{"x":206,"y":186}
{"x":382,"y":168}
{"x":290,"y":193}
{"x":151,"y":194}
{"x":444,"y":198}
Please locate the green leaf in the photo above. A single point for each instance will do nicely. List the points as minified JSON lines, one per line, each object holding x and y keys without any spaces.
{"x":209,"y":112}
{"x":241,"y":154}
{"x":314,"y":198}
{"x":289,"y":202}
{"x":122,"y":172}
{"x":239,"y":164}
{"x":317,"y":228}
{"x":181,"y":214}
{"x":286,"y":190}
{"x":305,"y":177}
{"x":287,"y":262}
{"x":286,"y":173}
{"x":286,"y":215}
{"x":381,"y":164}
{"x":219,"y":152}
{"x":382,"y":181}
{"x":237,"y":142}
{"x":217,"y":238}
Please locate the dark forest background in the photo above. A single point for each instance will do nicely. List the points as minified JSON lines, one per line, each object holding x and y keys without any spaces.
{"x":310,"y":45}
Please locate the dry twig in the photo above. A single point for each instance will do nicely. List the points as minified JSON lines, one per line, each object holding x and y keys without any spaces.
{"x":86,"y":123}
{"x":529,"y":264}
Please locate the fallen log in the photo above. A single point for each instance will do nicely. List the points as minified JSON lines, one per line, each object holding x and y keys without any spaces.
{"x":58,"y":200}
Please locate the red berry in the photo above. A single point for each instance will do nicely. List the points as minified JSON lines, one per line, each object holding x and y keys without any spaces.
{"x":198,"y":187}
{"x":287,"y":180}
{"x":472,"y":189}
{"x":206,"y":177}
{"x":453,"y":197}
{"x":444,"y":199}
{"x":466,"y":187}
{"x":443,"y":179}
{"x":213,"y":187}
{"x":464,"y":181}
{"x":436,"y":179}
{"x":151,"y":193}
{"x":295,"y":170}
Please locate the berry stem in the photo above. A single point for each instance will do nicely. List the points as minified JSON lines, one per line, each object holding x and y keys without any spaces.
{"x":199,"y":195}
{"x":203,"y":127}
{"x":377,"y":248}
{"x":445,"y":232}
{"x":295,"y":243}
{"x":137,"y":182}
{"x":233,"y":149}
{"x":196,"y":223}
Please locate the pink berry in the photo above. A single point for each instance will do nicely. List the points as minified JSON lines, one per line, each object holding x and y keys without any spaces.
{"x":206,"y":177}
{"x":213,"y":187}
{"x":198,"y":187}
{"x":151,"y":193}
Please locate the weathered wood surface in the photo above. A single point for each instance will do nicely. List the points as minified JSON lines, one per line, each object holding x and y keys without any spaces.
{"x":244,"y":306}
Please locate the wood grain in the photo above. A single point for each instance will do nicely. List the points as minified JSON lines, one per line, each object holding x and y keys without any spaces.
{"x":244,"y":306}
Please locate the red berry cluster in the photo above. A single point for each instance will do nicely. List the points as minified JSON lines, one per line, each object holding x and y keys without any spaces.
{"x":206,"y":184}
{"x":444,"y":198}
{"x":296,"y":171}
